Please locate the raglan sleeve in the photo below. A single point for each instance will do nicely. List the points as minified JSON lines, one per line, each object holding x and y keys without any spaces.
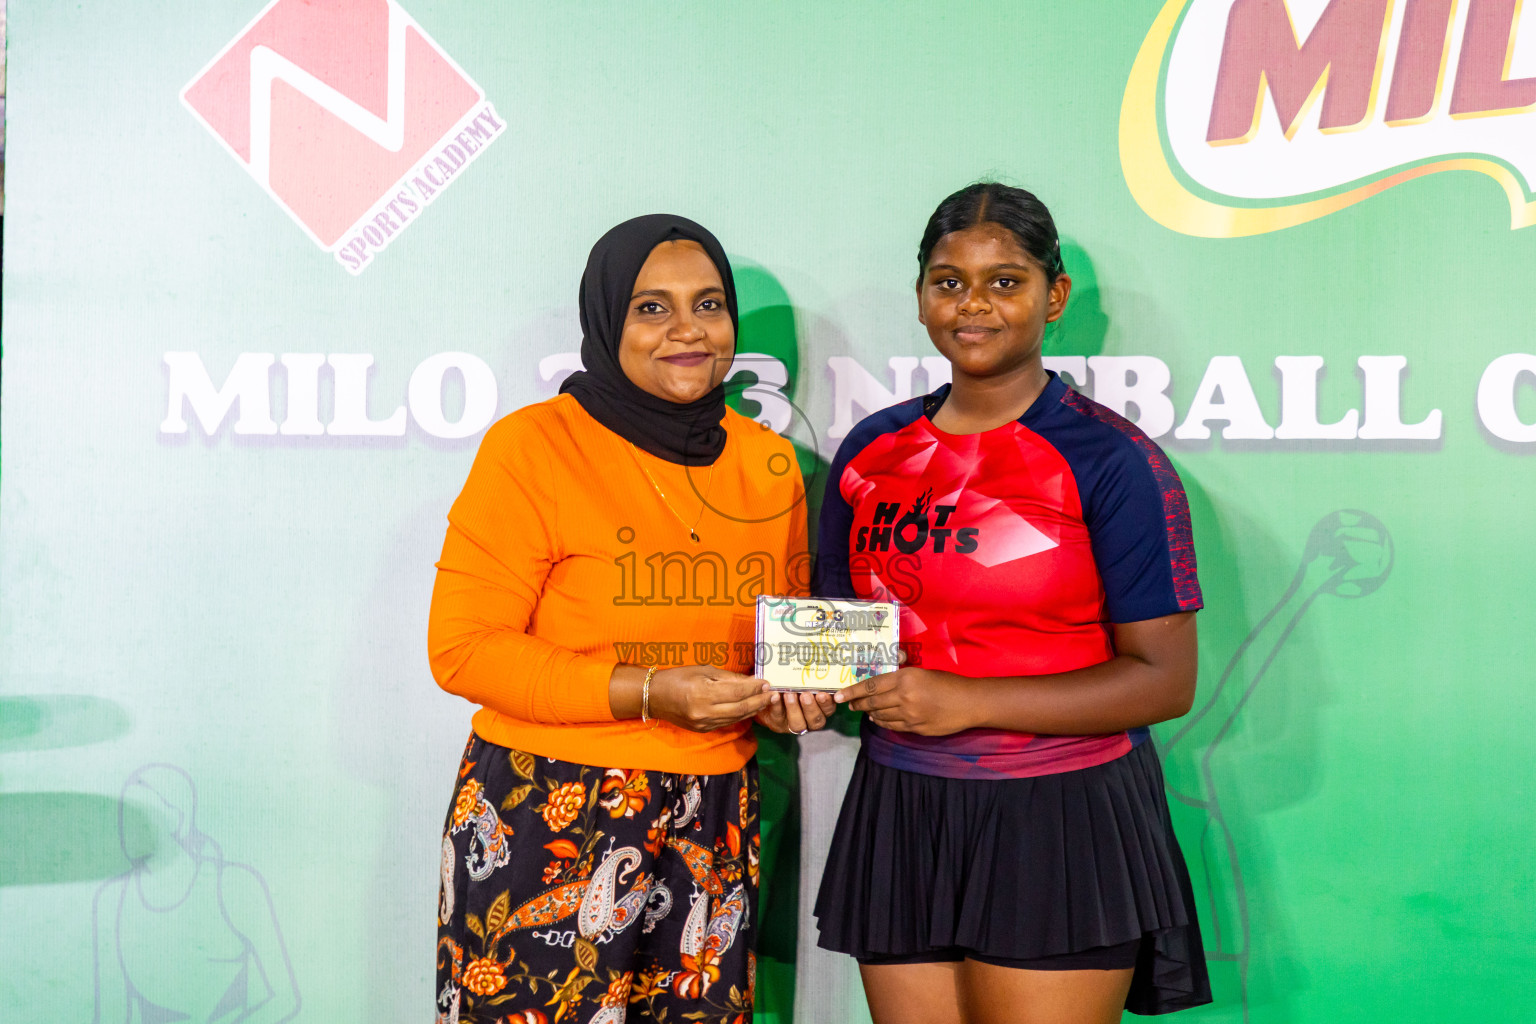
{"x":832,"y":577}
{"x":1138,"y":523}
{"x":503,"y":536}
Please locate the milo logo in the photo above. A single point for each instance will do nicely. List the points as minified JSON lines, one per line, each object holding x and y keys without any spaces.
{"x":1247,"y":116}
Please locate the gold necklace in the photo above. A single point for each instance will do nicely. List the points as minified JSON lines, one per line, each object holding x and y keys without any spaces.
{"x":693,"y":531}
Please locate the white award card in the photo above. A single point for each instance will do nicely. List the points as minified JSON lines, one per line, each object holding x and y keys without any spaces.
{"x":825,"y":644}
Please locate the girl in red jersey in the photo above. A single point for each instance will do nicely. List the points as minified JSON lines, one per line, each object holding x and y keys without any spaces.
{"x":1004,"y":851}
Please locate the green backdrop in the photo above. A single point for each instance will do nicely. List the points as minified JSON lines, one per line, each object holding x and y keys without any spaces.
{"x":212,"y":640}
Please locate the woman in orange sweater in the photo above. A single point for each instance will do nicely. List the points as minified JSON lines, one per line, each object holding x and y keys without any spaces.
{"x":595,"y":598}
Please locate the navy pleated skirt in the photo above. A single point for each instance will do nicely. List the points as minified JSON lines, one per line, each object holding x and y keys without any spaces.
{"x":1017,"y":869}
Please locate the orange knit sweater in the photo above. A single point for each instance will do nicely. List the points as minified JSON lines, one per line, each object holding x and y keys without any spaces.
{"x":562,"y":560}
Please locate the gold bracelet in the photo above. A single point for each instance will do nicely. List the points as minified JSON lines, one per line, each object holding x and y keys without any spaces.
{"x":645,"y":695}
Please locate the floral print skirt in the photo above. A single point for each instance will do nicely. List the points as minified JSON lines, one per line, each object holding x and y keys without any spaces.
{"x":573,"y":893}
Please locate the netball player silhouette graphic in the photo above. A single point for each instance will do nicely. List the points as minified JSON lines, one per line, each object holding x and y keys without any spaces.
{"x":1348,"y":554}
{"x":185,"y":935}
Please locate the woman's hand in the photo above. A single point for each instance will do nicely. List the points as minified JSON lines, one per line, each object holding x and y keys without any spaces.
{"x":916,"y":700}
{"x":702,"y":697}
{"x":797,"y":712}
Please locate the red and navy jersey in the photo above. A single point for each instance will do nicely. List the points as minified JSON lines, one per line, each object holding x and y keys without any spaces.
{"x":1011,"y":552}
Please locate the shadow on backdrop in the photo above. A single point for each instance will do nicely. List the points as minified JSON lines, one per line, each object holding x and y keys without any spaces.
{"x":768,"y":327}
{"x":1082,"y":329}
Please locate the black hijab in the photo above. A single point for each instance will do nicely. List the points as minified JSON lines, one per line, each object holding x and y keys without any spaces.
{"x":687,"y":433}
